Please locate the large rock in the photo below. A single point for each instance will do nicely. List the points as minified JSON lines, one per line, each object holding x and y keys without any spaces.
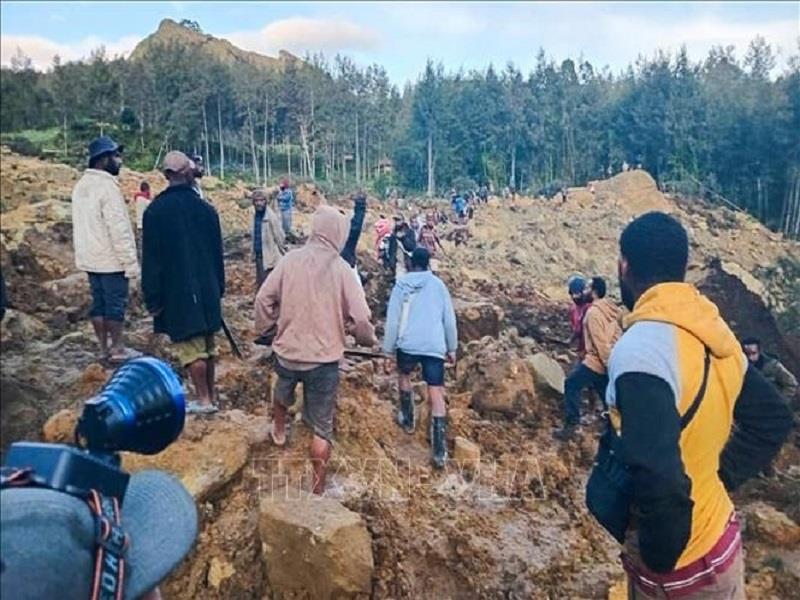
{"x":314,"y":547}
{"x":771,"y":526}
{"x":477,"y":320}
{"x":206,"y":458}
{"x":549,"y":374}
{"x":503,"y":386}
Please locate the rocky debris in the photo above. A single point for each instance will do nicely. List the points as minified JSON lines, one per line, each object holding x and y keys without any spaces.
{"x":467,"y":454}
{"x":314,"y":546}
{"x":19,"y":328}
{"x":504,"y":386}
{"x":207,"y":457}
{"x":549,"y":374}
{"x":634,"y":192}
{"x":60,"y":428}
{"x":518,"y":526}
{"x":477,"y":320}
{"x":770,"y":525}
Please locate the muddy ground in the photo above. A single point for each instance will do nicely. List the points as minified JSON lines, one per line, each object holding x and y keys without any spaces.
{"x":515,"y":526}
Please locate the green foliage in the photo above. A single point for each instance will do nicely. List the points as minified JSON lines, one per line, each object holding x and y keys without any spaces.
{"x":726,"y":123}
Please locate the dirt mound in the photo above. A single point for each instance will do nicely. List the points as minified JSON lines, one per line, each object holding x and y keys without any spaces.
{"x":511,"y":524}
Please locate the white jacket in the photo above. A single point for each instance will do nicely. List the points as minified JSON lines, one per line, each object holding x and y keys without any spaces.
{"x":101,"y":226}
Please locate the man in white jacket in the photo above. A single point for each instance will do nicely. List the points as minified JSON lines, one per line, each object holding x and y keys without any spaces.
{"x":105,"y":246}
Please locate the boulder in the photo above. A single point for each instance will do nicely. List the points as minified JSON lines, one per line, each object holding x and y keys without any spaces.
{"x":466,"y":453}
{"x":314,"y":547}
{"x":206,"y":458}
{"x":771,"y":526}
{"x":477,"y":320}
{"x":549,"y":374}
{"x":60,"y":428}
{"x":503,"y":386}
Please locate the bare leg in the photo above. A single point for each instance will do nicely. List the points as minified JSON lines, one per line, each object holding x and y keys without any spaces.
{"x":278,"y":421}
{"x":320,"y":453}
{"x":436,"y":396}
{"x":114,"y":329}
{"x":99,"y":324}
{"x":404,"y":382}
{"x":198,"y":373}
{"x":210,"y":368}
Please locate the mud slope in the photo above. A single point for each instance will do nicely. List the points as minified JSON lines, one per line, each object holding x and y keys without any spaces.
{"x":515,"y":525}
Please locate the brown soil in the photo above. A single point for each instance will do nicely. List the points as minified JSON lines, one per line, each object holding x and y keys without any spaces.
{"x":515,"y":528}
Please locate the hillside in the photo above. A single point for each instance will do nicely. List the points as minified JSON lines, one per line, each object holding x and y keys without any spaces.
{"x":514,"y":527}
{"x":216,"y":49}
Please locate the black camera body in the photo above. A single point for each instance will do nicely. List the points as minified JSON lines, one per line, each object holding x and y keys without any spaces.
{"x":141,"y":409}
{"x":69,"y":469}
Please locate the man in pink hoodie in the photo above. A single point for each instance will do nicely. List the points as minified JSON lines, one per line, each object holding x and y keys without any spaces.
{"x":310,"y":301}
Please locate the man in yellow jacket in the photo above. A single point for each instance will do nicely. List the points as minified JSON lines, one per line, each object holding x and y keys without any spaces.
{"x":693,"y":420}
{"x":601,"y":330}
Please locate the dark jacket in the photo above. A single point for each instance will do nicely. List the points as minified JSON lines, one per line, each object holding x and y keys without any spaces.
{"x":183,"y":274}
{"x":356,"y":224}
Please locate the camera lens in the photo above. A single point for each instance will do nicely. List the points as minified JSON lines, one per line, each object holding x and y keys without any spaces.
{"x":141,"y":409}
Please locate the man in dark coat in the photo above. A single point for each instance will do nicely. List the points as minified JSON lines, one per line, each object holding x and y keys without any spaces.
{"x":183,"y":275}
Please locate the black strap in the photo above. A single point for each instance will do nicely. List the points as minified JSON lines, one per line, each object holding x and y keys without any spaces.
{"x":108,"y":579}
{"x":687,"y":417}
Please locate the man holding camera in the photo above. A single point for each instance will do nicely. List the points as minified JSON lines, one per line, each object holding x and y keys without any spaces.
{"x":307,"y":303}
{"x":184,"y":275}
{"x":105,"y":246}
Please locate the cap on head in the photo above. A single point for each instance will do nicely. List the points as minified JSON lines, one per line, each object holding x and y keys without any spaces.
{"x":176,"y":162}
{"x":49,"y":540}
{"x":576,"y":285}
{"x":103,"y":145}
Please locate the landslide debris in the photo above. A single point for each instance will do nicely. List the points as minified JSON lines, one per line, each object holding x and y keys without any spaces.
{"x":507,"y":517}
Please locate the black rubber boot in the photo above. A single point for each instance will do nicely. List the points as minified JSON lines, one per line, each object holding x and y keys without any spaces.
{"x":439,"y":441}
{"x":405,"y":416}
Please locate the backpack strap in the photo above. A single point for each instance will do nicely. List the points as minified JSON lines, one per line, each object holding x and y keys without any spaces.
{"x":687,"y":417}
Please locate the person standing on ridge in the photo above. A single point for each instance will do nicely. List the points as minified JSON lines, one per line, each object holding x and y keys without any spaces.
{"x":183,"y":276}
{"x":286,"y":206}
{"x":141,"y":201}
{"x":268,"y":237}
{"x":421,"y":330}
{"x":690,"y":420}
{"x":105,"y":247}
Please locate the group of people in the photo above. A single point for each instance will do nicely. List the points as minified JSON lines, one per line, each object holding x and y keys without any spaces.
{"x":689,"y":417}
{"x":397,"y":238}
{"x":311,"y":301}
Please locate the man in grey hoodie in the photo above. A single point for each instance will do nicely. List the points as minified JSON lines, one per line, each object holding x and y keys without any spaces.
{"x":421,"y":330}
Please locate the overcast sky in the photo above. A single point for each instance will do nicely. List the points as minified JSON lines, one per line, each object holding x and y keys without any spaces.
{"x":402,"y":35}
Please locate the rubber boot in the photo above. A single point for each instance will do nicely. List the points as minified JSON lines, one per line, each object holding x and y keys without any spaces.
{"x":405,"y":416}
{"x":439,"y":441}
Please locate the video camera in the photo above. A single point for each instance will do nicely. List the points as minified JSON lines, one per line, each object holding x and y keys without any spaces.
{"x":141,"y":409}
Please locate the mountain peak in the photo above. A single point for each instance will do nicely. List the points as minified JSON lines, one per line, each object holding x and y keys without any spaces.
{"x":188,"y":33}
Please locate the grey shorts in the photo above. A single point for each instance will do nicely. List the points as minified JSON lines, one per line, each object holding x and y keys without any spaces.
{"x":320,"y":385}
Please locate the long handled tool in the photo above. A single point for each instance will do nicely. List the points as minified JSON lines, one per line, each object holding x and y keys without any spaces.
{"x":232,"y":341}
